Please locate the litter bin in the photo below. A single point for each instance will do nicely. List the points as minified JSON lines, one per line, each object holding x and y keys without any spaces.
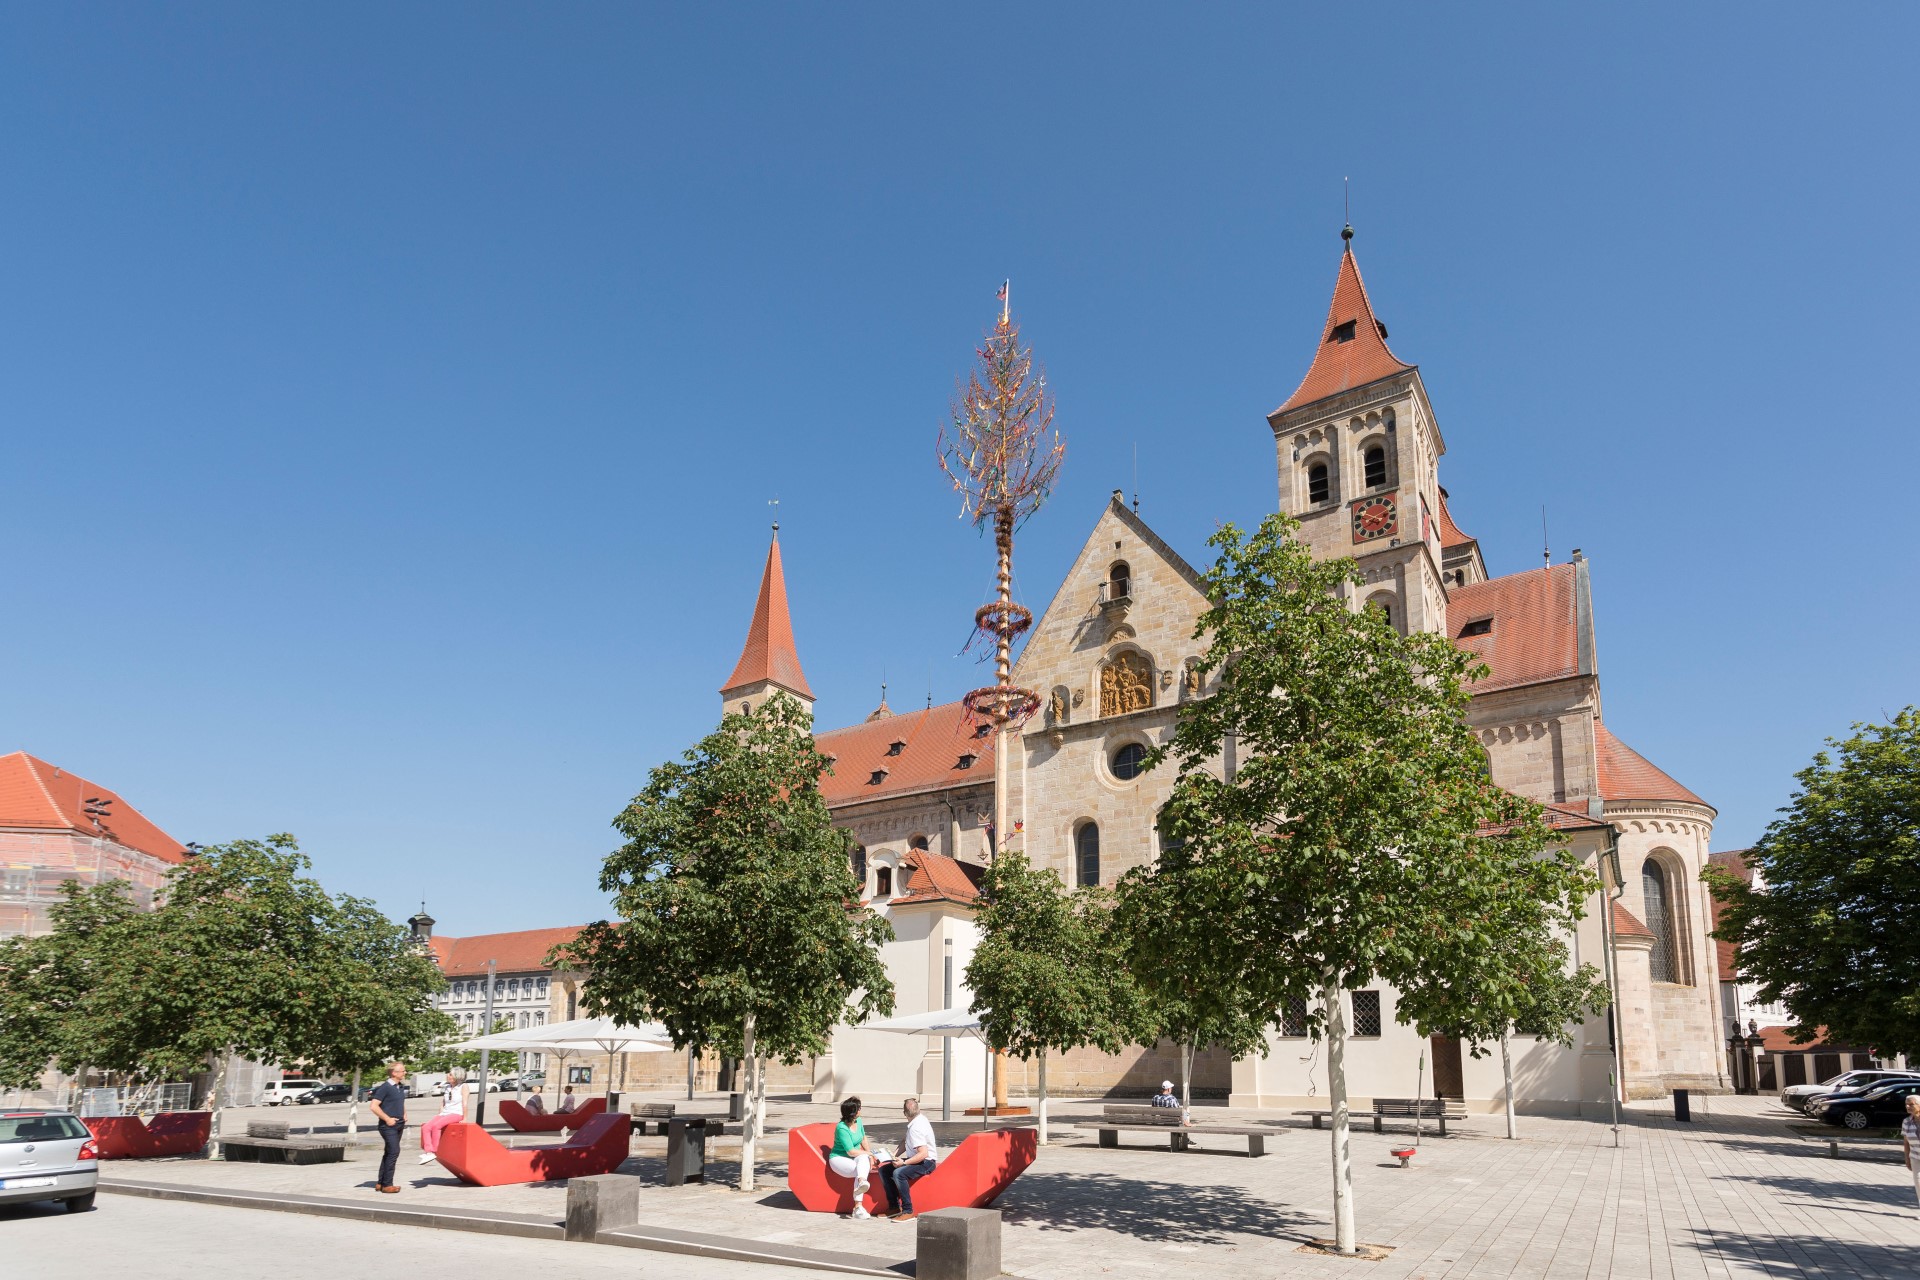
{"x":736,"y":1106}
{"x":686,"y":1151}
{"x":1682,"y":1106}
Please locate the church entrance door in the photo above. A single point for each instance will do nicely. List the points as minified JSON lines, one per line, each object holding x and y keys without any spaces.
{"x":1449,"y":1079}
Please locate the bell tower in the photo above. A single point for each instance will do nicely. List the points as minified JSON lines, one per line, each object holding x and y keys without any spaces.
{"x":1358,"y":452}
{"x":768,"y":660}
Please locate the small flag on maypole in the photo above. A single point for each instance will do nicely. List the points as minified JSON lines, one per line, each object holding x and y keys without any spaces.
{"x":1002,"y":296}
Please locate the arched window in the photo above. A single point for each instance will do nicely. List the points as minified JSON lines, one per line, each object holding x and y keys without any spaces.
{"x":883,"y":882}
{"x":1119,"y":581}
{"x":917,"y":842}
{"x":860,"y":865}
{"x":1384,"y":604}
{"x":1086,"y":849}
{"x":1657,"y":888}
{"x":1375,"y":460}
{"x":1319,"y":483}
{"x":1128,"y":761}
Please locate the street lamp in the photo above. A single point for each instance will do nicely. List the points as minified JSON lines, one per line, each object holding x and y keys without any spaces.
{"x":1610,"y":866}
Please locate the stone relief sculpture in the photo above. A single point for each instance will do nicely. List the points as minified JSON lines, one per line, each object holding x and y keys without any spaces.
{"x":1193,"y":681}
{"x":1126,"y":684}
{"x":1057,"y":707}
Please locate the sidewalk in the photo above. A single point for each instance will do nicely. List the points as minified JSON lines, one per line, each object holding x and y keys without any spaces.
{"x":1736,"y":1193}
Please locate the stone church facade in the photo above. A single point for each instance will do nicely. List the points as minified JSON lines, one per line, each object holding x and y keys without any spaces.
{"x":1358,"y":451}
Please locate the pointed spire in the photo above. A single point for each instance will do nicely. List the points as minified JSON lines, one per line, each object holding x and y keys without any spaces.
{"x":1353,"y":346}
{"x":769,"y":657}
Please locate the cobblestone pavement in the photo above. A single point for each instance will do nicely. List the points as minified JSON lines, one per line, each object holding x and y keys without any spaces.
{"x":1735,"y":1193}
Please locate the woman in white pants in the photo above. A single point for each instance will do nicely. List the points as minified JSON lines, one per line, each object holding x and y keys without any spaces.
{"x":1910,"y":1139}
{"x":852,"y":1154}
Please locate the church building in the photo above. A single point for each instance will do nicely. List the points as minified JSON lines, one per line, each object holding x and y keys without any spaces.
{"x":1358,"y":450}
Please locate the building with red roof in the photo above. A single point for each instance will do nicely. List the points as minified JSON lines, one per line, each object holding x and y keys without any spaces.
{"x":57,"y":826}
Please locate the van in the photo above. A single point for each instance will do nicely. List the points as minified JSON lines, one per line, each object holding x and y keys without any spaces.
{"x":281,"y":1091}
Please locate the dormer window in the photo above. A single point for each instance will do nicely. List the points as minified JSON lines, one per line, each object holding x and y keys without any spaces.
{"x":967,"y":760}
{"x":895,"y":748}
{"x":879,"y":776}
{"x":1319,"y":483}
{"x":1478,"y":627}
{"x":1343,"y":332}
{"x":1376,"y":466}
{"x":982,"y":730}
{"x":883,"y":882}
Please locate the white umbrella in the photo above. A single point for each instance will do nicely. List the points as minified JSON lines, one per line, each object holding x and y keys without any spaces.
{"x":579,"y":1035}
{"x":947,"y":1024}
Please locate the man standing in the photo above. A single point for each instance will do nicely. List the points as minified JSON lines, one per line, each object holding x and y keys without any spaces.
{"x":390,"y":1108}
{"x":916,"y":1160}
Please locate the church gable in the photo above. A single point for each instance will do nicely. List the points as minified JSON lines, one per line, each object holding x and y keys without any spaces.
{"x":1117,"y":637}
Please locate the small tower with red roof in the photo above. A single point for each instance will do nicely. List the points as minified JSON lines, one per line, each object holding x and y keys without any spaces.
{"x":768,"y":660}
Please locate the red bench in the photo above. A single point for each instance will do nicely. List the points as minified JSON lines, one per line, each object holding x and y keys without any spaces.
{"x":521,"y":1120}
{"x":171,"y":1133}
{"x":970,"y":1176}
{"x":474,"y":1155}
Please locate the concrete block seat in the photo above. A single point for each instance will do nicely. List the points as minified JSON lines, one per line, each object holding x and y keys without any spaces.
{"x":170,"y":1133}
{"x":521,"y":1120}
{"x":472,"y":1154}
{"x":969,"y":1176}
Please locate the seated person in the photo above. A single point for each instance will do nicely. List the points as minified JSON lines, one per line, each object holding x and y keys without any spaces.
{"x":534,"y":1103}
{"x":918,"y":1156}
{"x":1166,"y":1098}
{"x":852,"y":1155}
{"x":568,"y":1102}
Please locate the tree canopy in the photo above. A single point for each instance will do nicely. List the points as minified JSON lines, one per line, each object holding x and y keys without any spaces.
{"x":1831,"y":925}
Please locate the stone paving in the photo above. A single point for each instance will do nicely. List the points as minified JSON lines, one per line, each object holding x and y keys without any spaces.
{"x":1735,"y":1193}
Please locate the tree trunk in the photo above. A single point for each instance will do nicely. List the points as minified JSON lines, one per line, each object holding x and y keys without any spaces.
{"x":353,"y":1109}
{"x":760,"y":1095}
{"x":1343,"y":1236}
{"x":1043,"y":1097}
{"x":1186,"y":1089}
{"x":999,"y":1081}
{"x":213,"y":1096}
{"x":1506,"y":1074}
{"x":750,"y":1130}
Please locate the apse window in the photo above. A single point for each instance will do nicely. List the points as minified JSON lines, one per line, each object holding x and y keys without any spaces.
{"x":1376,"y":465}
{"x":883,"y":882}
{"x":1319,"y":483}
{"x":1129,"y":762}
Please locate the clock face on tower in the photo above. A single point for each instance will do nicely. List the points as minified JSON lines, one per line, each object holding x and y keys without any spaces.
{"x":1374,"y":518}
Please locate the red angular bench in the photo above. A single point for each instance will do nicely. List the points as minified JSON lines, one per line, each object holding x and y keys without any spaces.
{"x":970,"y":1176}
{"x":170,"y":1133}
{"x":472,"y":1154}
{"x":521,"y":1120}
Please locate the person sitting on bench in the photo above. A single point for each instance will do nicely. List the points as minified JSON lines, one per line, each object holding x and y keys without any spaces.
{"x":1166,"y":1098}
{"x":568,"y":1102}
{"x":852,"y":1155}
{"x":918,"y":1156}
{"x":535,"y":1104}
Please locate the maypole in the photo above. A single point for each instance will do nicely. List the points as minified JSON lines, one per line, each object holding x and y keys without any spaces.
{"x":1003,"y":458}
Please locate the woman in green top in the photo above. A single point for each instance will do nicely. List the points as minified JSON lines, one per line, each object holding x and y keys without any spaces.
{"x":852,"y":1155}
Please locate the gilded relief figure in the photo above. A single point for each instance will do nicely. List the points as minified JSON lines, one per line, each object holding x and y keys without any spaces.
{"x":1126,"y":684}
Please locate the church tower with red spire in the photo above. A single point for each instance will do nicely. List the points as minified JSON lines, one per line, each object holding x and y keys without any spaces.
{"x":1359,"y":465}
{"x":768,"y":660}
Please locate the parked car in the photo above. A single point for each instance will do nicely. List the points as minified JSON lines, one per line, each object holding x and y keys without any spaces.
{"x":1883,"y":1104}
{"x":47,"y":1155}
{"x":1798,"y":1096}
{"x":283,"y":1091}
{"x":336,"y":1092}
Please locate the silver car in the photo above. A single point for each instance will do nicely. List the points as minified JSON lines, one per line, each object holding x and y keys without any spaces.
{"x":47,"y":1155}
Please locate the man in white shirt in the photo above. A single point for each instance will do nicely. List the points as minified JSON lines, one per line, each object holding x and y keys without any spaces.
{"x":918,"y":1156}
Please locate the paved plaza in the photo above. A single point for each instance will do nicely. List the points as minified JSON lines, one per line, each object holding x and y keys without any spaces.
{"x":1737,"y":1192}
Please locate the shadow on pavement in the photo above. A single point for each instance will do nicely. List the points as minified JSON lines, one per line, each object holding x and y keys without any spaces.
{"x":1822,"y":1189}
{"x":1173,"y":1212}
{"x":1800,"y":1256}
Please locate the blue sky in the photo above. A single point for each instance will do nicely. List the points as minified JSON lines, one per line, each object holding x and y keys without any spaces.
{"x":390,"y":396}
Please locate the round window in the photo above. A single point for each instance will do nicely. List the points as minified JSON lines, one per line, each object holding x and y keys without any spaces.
{"x":1128,"y":761}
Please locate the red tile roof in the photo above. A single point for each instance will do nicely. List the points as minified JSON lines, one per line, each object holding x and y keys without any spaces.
{"x":1734,"y":860}
{"x":1627,"y":925}
{"x":1450,"y":535}
{"x":1625,"y":774}
{"x":933,"y":877}
{"x":37,"y":796}
{"x":1341,"y":366}
{"x":1558,"y":817}
{"x":522,"y":952}
{"x":769,"y":653}
{"x":1535,"y":635}
{"x":935,"y":740}
{"x":1776,"y":1040}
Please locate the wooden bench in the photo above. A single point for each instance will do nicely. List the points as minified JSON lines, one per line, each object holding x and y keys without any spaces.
{"x":659,"y":1112}
{"x":1116,"y":1120}
{"x":1384,"y":1109}
{"x":268,"y":1142}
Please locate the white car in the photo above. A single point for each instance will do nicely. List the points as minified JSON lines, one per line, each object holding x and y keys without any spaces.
{"x":47,"y":1155}
{"x":279,"y":1092}
{"x":1798,"y":1096}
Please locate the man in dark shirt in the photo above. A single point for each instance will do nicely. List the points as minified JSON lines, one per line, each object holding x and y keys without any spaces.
{"x":390,"y":1108}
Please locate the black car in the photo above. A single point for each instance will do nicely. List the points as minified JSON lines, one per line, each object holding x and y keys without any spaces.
{"x":331,"y":1093}
{"x":1883,"y":1105}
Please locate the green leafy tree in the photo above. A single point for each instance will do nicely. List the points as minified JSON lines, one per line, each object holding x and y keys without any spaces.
{"x":1345,"y":848}
{"x":45,"y":983}
{"x":443,"y":1057}
{"x":740,"y":925}
{"x":1046,"y":975}
{"x":1831,"y":925}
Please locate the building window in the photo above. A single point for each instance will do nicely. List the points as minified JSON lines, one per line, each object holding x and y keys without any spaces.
{"x":860,"y":866}
{"x":1319,"y":483}
{"x":1086,"y":849}
{"x":1293,"y":1018}
{"x":1366,"y":1013}
{"x":1478,"y":627}
{"x":573,"y":1005}
{"x":1384,"y":604}
{"x":1664,"y":961}
{"x":883,"y":882}
{"x":1375,"y":462}
{"x":1343,"y":332}
{"x":1168,"y":843}
{"x":1129,"y":761}
{"x":918,"y":842}
{"x":543,"y":988}
{"x":1119,"y":582}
